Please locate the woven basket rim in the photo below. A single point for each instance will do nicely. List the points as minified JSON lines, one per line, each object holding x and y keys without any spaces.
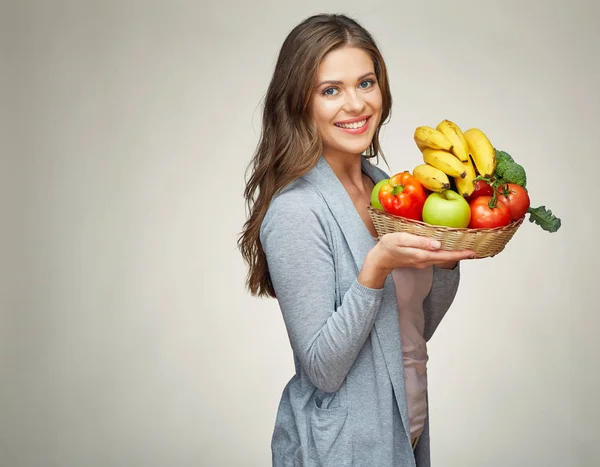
{"x":442,"y":228}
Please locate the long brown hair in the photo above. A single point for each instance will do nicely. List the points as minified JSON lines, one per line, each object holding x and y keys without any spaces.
{"x":289,"y":145}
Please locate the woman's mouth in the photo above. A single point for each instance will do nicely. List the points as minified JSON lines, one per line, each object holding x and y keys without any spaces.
{"x":355,"y":127}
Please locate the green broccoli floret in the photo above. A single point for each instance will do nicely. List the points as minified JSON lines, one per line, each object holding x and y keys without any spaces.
{"x":507,"y":170}
{"x":501,"y":167}
{"x":514,"y":173}
{"x":502,"y":156}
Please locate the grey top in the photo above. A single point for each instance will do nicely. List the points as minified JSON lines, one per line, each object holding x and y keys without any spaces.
{"x":346,"y":403}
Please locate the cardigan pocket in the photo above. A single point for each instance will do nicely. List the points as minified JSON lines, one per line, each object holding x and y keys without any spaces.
{"x":329,"y":436}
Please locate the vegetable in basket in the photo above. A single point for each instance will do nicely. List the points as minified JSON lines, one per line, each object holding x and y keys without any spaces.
{"x":403,"y":195}
{"x":509,"y":185}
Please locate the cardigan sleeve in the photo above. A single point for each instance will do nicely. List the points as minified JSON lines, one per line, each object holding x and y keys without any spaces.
{"x":326,"y":340}
{"x":440,"y":298}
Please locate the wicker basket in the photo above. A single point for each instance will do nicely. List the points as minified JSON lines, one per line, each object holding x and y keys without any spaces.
{"x":484,"y":242}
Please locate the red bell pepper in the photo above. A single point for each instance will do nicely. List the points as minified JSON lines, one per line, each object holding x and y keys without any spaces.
{"x":404,"y":196}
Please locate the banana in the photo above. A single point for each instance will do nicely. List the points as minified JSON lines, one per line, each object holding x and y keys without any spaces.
{"x":431,"y":177}
{"x":459,"y":144}
{"x":466,"y":186}
{"x":482,"y":151}
{"x":427,"y":137}
{"x":445,"y":161}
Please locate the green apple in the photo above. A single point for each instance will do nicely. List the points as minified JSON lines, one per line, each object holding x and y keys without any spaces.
{"x":446,"y":208}
{"x":374,"y":194}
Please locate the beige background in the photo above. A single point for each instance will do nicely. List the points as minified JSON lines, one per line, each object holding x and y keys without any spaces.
{"x":126,"y":336}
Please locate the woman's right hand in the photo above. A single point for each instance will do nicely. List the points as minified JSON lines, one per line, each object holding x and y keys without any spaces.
{"x":402,"y":249}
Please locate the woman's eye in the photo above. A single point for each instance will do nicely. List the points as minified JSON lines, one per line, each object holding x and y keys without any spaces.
{"x":330,"y":92}
{"x":367,"y":83}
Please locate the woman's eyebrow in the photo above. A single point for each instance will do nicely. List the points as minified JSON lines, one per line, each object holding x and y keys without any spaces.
{"x":341,"y":82}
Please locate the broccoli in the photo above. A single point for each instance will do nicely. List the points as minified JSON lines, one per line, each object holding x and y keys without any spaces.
{"x":501,"y":167}
{"x":514,"y":173}
{"x":509,"y":171}
{"x":502,"y":156}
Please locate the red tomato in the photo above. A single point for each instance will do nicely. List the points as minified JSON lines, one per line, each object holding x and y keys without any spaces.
{"x":403,"y":195}
{"x":482,"y":188}
{"x":485,"y":217}
{"x":516,"y":198}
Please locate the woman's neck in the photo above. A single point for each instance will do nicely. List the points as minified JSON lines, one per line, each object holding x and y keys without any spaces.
{"x":347,"y":167}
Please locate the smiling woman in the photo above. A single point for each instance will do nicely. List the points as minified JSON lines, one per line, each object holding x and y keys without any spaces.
{"x":347,"y":103}
{"x":358,"y":310}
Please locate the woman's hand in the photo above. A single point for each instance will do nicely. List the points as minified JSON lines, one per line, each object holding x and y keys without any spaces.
{"x":401,"y":249}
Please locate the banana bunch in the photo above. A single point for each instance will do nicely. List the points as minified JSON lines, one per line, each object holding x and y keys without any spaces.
{"x":451,"y":157}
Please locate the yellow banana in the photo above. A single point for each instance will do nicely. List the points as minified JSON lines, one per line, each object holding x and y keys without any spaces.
{"x":466,"y":186}
{"x":482,"y":151}
{"x":459,"y":144}
{"x":427,"y":137}
{"x":444,"y":161}
{"x":431,"y":177}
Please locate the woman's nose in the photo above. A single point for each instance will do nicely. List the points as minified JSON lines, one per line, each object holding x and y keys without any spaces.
{"x":354,"y":102}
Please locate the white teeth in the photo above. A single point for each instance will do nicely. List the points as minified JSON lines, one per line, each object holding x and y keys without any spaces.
{"x":352,"y":126}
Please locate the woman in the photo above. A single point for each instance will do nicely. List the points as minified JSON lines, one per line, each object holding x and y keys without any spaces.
{"x":358,"y":310}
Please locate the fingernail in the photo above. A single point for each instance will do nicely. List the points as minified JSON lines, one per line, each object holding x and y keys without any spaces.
{"x":434,"y":244}
{"x":473,"y":256}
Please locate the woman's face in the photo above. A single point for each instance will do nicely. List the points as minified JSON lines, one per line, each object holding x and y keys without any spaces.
{"x":346,"y":103}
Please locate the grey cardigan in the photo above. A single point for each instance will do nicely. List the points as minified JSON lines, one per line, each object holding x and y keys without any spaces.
{"x":346,"y":404}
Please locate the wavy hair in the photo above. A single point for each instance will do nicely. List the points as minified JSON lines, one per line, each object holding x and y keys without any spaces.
{"x":289,"y":144}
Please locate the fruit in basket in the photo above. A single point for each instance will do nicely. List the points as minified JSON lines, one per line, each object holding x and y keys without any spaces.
{"x":427,"y":137}
{"x":479,"y":173}
{"x":454,"y":134}
{"x":444,"y":161}
{"x":447,"y":208}
{"x":482,"y":151}
{"x":431,"y":177}
{"x":509,"y":171}
{"x":481,"y":188}
{"x":466,"y":185}
{"x":375,"y":194}
{"x":486,"y":214}
{"x":403,"y":195}
{"x":515,"y":197}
